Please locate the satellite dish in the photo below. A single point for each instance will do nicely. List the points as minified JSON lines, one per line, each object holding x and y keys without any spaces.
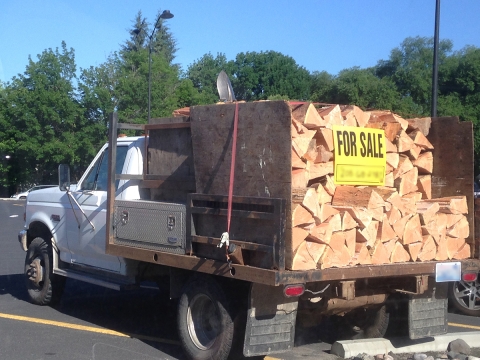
{"x":224,"y":87}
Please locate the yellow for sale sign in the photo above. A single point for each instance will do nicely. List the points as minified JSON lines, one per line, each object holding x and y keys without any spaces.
{"x":360,"y":156}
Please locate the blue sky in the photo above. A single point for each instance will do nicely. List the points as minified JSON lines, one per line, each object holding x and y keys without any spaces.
{"x":320,"y":35}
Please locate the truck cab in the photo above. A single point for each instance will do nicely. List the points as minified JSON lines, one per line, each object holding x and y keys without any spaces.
{"x":73,"y":222}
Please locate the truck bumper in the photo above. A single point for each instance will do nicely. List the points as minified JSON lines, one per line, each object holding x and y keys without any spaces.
{"x":22,"y":239}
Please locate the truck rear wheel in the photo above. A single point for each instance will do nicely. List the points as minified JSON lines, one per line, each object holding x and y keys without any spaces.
{"x":205,"y":324}
{"x":44,"y":287}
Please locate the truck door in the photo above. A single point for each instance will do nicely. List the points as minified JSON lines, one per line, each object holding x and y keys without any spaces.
{"x":86,"y":242}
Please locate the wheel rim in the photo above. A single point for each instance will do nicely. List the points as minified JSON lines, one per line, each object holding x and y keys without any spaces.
{"x":203,"y":321}
{"x":35,"y":272}
{"x":467,"y":294}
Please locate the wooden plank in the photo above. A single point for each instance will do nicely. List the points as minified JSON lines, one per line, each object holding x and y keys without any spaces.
{"x":454,"y":163}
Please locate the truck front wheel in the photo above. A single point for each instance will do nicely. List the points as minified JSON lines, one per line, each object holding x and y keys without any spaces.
{"x":205,"y":324}
{"x":44,"y":287}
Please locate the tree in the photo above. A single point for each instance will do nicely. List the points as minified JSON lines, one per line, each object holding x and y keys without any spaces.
{"x":163,"y":41}
{"x":203,"y":75}
{"x":410,"y":67}
{"x":260,"y":75}
{"x":46,"y":121}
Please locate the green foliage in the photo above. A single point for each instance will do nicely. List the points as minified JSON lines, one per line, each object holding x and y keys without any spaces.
{"x":259,"y":75}
{"x":47,"y":122}
{"x":203,"y":75}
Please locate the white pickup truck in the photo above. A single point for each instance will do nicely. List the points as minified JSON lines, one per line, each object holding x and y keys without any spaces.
{"x":65,"y":231}
{"x":128,"y":220}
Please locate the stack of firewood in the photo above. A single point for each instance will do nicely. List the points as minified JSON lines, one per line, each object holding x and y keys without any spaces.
{"x":337,"y":226}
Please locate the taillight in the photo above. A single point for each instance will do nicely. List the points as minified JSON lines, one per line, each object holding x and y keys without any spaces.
{"x":469,"y":276}
{"x":294,"y":290}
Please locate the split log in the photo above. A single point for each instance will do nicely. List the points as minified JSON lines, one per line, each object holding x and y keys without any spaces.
{"x":414,"y":249}
{"x":350,"y":240}
{"x":307,"y":115}
{"x":358,"y":197}
{"x":393,"y":159}
{"x":319,"y":170}
{"x":463,"y":252}
{"x":393,"y":215}
{"x":322,"y":195}
{"x":420,"y":140}
{"x":442,"y":250}
{"x":335,"y":222}
{"x":361,"y":118}
{"x":427,"y":211}
{"x":390,"y":147}
{"x":451,"y":204}
{"x":424,"y":163}
{"x":404,"y":165}
{"x":332,"y":115}
{"x":399,"y":226}
{"x":362,"y":256}
{"x":299,"y":178}
{"x":305,"y":148}
{"x":297,"y":163}
{"x":407,"y":183}
{"x":302,"y":260}
{"x":429,"y":249}
{"x":298,"y":236}
{"x":389,"y":180}
{"x":422,"y":124}
{"x":361,"y":215}
{"x":323,"y":155}
{"x":328,"y":184}
{"x":453,"y":245}
{"x":324,"y":137}
{"x":301,"y":216}
{"x":326,"y":211}
{"x":404,"y":142}
{"x":337,"y":241}
{"x":424,"y":184}
{"x":459,"y":229}
{"x":387,"y":122}
{"x":321,"y":233}
{"x":310,"y":202}
{"x":380,"y":255}
{"x":413,"y":230}
{"x":399,"y":254}
{"x":348,"y":222}
{"x":385,"y":230}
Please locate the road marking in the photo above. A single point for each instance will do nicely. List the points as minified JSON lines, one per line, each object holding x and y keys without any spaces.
{"x":86,"y":328}
{"x":464,"y":326}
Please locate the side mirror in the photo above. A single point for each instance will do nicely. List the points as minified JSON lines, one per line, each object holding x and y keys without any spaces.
{"x":64,"y":177}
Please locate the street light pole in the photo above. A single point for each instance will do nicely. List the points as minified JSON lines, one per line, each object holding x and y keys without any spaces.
{"x":435,"y":61}
{"x":165,"y":15}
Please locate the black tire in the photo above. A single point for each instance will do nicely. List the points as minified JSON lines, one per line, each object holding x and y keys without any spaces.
{"x":465,"y":296}
{"x":43,"y":287}
{"x":205,"y":324}
{"x":364,"y":323}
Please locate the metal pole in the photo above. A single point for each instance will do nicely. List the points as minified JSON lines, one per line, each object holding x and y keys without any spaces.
{"x":165,"y":15}
{"x":435,"y":61}
{"x":149,"y":80}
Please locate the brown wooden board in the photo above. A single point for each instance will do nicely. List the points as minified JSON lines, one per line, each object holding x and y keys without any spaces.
{"x":453,"y":164}
{"x":170,"y":156}
{"x":263,"y":163}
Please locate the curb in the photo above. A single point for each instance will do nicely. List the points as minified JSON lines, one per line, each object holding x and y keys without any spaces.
{"x":351,"y":348}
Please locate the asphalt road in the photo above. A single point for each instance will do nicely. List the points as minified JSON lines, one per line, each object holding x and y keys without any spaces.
{"x":96,"y":323}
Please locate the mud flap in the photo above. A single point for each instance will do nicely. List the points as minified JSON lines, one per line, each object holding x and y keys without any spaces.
{"x":427,"y":313}
{"x":270,"y":321}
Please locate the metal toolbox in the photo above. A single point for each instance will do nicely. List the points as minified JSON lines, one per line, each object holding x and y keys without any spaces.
{"x":150,"y":225}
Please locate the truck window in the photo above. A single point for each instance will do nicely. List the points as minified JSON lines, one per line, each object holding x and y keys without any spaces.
{"x":97,"y":178}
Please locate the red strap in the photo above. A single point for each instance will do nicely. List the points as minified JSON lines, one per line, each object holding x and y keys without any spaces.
{"x":232,"y":167}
